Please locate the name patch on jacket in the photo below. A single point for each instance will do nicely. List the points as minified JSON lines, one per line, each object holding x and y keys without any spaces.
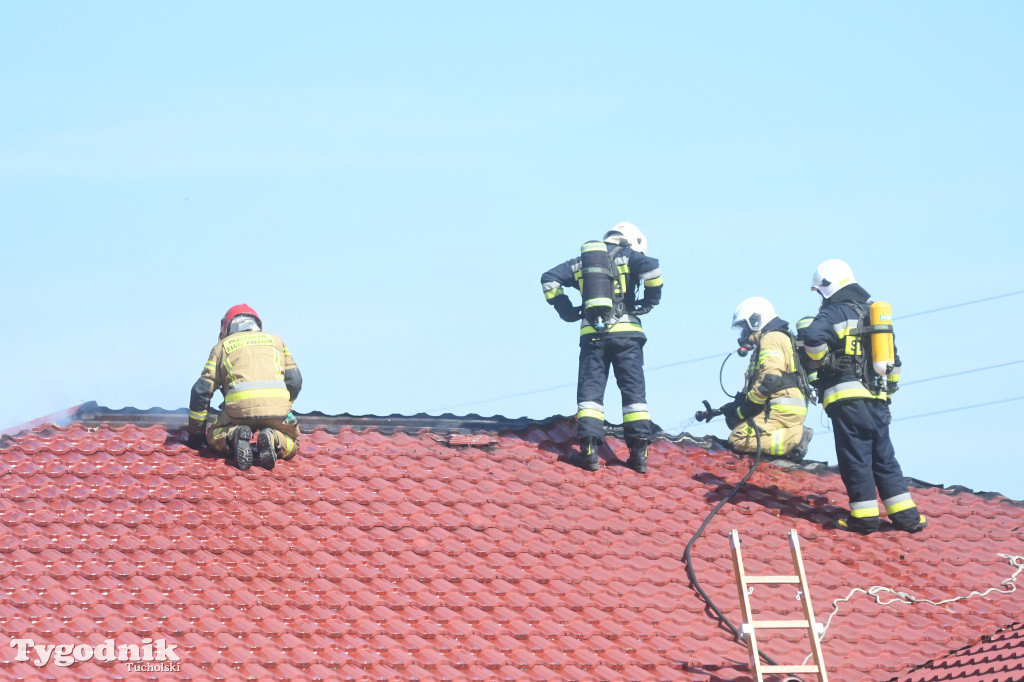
{"x":246,"y":341}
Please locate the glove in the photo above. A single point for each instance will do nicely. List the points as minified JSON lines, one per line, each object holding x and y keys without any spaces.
{"x":196,"y":440}
{"x":566,"y":310}
{"x":707,"y":414}
{"x":643,"y":306}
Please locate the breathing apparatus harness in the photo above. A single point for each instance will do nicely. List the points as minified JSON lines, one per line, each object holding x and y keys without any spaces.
{"x":868,"y":364}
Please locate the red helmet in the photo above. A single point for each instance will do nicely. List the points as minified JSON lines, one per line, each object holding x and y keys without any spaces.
{"x":235,"y":311}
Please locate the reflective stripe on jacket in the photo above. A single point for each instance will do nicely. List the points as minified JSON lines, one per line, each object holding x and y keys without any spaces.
{"x":256,"y":373}
{"x":832,"y":332}
{"x":634,"y":269}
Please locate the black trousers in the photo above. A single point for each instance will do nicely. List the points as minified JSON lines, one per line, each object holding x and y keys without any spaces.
{"x":867,"y":461}
{"x":626,"y":356}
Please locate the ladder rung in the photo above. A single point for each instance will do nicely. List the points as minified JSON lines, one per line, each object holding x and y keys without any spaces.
{"x":790,"y":669}
{"x":780,"y":624}
{"x":772,"y":579}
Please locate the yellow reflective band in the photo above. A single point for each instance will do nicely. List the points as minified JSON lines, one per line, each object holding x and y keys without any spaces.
{"x":893,"y":378}
{"x":594,"y":246}
{"x":653,"y":282}
{"x":593,"y":414}
{"x":548,"y":295}
{"x":636,"y":416}
{"x":210,"y":364}
{"x":769,"y":353}
{"x":198,"y":416}
{"x":258,"y":394}
{"x":864,"y":513}
{"x":789,"y":409}
{"x":602,"y":302}
{"x":778,"y":436}
{"x":900,"y":506}
{"x":753,"y":397}
{"x":618,"y":327}
{"x":246,"y":340}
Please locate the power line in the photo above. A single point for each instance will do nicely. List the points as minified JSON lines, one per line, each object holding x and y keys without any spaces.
{"x":959,"y":409}
{"x":718,"y":355}
{"x":956,"y":374}
{"x":958,"y":305}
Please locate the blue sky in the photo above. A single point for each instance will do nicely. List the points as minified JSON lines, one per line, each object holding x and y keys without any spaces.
{"x":385,"y":184}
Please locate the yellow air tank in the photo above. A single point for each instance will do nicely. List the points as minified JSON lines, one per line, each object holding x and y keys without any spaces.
{"x":883,"y":347}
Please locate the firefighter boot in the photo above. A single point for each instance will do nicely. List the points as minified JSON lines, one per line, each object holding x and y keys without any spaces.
{"x":909,"y":521}
{"x":799,"y":450}
{"x":266,"y":449}
{"x":854,"y":525}
{"x":239,"y":440}
{"x":638,"y":457}
{"x":587,"y":459}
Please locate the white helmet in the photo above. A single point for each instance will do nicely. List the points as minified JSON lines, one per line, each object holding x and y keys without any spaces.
{"x":831,"y":276}
{"x":755,"y":312}
{"x":628,"y":232}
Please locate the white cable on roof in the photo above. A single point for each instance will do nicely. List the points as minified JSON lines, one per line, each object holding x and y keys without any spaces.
{"x":905,"y":598}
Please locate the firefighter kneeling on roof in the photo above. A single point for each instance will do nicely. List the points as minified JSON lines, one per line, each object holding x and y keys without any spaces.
{"x":773,"y":404}
{"x":855,"y":384}
{"x":260,"y":380}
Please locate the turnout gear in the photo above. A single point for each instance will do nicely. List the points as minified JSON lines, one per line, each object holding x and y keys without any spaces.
{"x":259,"y":379}
{"x":774,"y":397}
{"x":856,"y":399}
{"x":609,"y":274}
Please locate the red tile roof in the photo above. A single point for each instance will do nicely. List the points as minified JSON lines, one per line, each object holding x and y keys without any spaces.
{"x":995,"y":658}
{"x":379,"y":554}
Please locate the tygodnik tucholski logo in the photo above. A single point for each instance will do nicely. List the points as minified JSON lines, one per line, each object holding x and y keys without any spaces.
{"x":146,"y":656}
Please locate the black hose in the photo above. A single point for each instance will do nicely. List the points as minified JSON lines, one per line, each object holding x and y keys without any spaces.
{"x":737,"y":635}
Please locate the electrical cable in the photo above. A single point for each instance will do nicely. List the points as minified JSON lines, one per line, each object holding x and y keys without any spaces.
{"x":958,"y":409}
{"x":703,"y":358}
{"x":956,"y":374}
{"x":958,"y":305}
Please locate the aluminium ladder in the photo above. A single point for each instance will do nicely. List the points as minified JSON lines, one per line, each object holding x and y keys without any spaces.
{"x":751,"y":626}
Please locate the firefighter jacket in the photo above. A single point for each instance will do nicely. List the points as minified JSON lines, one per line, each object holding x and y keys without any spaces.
{"x":633,"y":268}
{"x":834,"y":343}
{"x":255,"y":372}
{"x":772,"y":378}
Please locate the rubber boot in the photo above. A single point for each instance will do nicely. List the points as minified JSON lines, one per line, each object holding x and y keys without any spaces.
{"x":638,"y":457}
{"x":587,"y":458}
{"x":860,"y":526}
{"x":266,"y":449}
{"x":240,"y":446}
{"x":799,"y":450}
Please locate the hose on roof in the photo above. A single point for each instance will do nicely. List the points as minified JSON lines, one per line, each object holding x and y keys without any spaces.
{"x":737,"y":635}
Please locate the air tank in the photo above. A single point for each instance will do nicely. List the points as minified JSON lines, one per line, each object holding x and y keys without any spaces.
{"x":596,"y":282}
{"x":883,"y":346}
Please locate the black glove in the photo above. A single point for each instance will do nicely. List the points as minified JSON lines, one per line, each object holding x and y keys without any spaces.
{"x":707,"y":414}
{"x":196,"y":440}
{"x":566,"y":310}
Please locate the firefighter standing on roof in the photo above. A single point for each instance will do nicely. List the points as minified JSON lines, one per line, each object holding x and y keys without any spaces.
{"x":260,"y":380}
{"x":774,"y":397}
{"x":608,"y":274}
{"x":856,"y":398}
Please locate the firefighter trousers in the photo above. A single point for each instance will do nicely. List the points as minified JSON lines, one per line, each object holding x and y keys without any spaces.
{"x":867,"y":462}
{"x":286,"y":430}
{"x":626,"y":356}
